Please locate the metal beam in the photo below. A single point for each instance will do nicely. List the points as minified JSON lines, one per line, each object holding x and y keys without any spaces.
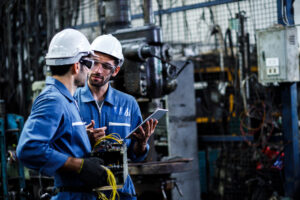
{"x":22,"y":183}
{"x":222,"y":138}
{"x":289,"y":115}
{"x":290,"y":135}
{"x":167,"y":11}
{"x":187,"y":7}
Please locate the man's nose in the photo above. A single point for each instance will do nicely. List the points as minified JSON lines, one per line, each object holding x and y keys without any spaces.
{"x":99,"y":68}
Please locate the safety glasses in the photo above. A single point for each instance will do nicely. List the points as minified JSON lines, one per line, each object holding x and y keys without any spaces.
{"x":104,"y":65}
{"x":87,"y":62}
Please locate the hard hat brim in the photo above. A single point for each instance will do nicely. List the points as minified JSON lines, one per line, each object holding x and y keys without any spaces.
{"x":67,"y":60}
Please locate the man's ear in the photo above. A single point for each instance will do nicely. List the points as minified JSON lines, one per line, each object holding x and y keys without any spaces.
{"x":116,"y":71}
{"x":75,"y":68}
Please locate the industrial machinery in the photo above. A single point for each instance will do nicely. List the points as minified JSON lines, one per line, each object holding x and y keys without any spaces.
{"x":240,"y":120}
{"x":147,"y":71}
{"x":12,"y":171}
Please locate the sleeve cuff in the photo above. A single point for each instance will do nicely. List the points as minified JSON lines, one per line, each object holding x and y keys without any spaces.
{"x":56,"y":161}
{"x":134,"y":158}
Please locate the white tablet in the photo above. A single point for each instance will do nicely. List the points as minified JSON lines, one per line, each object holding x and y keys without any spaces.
{"x":157,"y":114}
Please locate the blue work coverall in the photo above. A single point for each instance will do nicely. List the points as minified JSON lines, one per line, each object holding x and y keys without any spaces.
{"x":53,"y":132}
{"x":120,"y":113}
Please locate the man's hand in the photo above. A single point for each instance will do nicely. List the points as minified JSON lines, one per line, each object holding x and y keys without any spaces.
{"x":94,"y":133}
{"x":90,"y":170}
{"x":142,"y":136}
{"x":91,"y":173}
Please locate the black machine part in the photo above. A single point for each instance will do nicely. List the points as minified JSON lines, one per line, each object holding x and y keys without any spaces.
{"x":138,"y":51}
{"x":147,"y":70}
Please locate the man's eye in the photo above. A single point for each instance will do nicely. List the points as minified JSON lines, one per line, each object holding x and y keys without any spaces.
{"x":107,"y":66}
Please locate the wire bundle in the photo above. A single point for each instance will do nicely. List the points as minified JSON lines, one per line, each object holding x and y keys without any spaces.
{"x":111,"y":180}
{"x":113,"y":136}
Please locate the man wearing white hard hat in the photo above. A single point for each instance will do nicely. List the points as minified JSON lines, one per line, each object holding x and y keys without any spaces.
{"x":108,"y":110}
{"x":54,"y":139}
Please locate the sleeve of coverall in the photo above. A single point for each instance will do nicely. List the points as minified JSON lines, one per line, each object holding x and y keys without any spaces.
{"x":34,"y":147}
{"x":135,"y":120}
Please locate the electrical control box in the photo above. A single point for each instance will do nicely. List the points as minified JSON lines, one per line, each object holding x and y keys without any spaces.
{"x":278,"y":55}
{"x":114,"y":156}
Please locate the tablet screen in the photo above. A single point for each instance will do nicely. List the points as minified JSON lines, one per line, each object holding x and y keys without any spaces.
{"x":157,"y":114}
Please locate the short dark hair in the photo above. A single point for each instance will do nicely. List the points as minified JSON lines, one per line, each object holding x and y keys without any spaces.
{"x":117,"y":62}
{"x":60,"y":70}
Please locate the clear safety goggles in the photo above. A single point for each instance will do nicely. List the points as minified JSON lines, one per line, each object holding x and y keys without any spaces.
{"x":105,"y":66}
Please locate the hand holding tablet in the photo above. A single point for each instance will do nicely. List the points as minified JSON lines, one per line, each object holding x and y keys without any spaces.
{"x":157,"y":114}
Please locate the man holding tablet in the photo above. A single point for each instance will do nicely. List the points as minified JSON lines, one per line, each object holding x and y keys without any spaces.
{"x":107,"y":110}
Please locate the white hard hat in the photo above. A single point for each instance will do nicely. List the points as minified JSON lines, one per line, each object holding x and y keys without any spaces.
{"x":109,"y":45}
{"x":67,"y":47}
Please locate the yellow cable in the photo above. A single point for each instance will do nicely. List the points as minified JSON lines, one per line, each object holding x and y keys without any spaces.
{"x":111,"y":180}
{"x":102,"y":196}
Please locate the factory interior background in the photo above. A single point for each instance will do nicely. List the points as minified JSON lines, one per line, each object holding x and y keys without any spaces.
{"x":232,"y":129}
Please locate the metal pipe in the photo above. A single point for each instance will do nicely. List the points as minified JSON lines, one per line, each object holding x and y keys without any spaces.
{"x":148,"y":12}
{"x":3,"y":160}
{"x":117,"y":15}
{"x":166,"y":11}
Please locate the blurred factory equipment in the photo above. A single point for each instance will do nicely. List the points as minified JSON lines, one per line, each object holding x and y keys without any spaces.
{"x":235,"y":111}
{"x":222,"y":78}
{"x":18,"y":182}
{"x":156,"y":177}
{"x":282,"y":66}
{"x":12,"y":172}
{"x":183,"y":136}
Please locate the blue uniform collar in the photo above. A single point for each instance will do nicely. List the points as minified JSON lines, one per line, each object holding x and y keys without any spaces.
{"x":60,"y":86}
{"x":88,"y":97}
